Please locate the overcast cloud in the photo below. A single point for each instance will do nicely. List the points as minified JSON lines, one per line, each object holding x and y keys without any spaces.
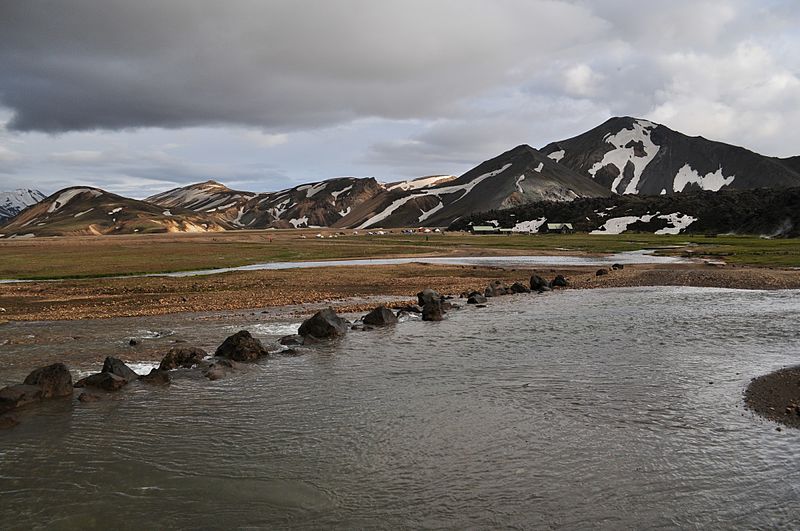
{"x":141,"y":96}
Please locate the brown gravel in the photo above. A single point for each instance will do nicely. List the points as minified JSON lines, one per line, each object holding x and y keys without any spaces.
{"x":119,"y":297}
{"x":776,"y":396}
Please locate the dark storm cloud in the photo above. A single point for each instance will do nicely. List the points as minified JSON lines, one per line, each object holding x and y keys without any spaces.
{"x":81,"y":64}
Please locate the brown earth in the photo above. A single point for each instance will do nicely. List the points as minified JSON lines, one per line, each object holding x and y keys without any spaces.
{"x":118,"y":297}
{"x":776,"y":396}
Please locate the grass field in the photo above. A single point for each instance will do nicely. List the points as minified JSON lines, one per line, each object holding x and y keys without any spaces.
{"x":79,"y":257}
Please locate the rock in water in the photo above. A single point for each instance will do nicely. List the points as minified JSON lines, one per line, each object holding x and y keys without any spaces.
{"x":433,"y":311}
{"x":8,"y":421}
{"x":559,"y":282}
{"x":220,"y":369}
{"x":380,"y":316}
{"x":476,"y":298}
{"x":184,"y":357}
{"x":427,"y":295}
{"x":156,"y":377}
{"x":617,"y":266}
{"x":495,"y":289}
{"x":518,"y":287}
{"x":241,"y":346}
{"x":324,"y":324}
{"x":118,"y":368}
{"x":539,"y":284}
{"x":55,"y":380}
{"x":601,"y":272}
{"x":103,"y":380}
{"x":19,"y":395}
{"x":291,"y":341}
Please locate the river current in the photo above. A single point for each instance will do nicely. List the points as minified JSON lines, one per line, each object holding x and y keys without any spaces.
{"x":615,"y":408}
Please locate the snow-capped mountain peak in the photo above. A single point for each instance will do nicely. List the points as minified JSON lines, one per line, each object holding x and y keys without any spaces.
{"x":14,"y":202}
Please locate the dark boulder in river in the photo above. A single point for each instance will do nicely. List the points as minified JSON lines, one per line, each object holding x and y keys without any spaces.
{"x":324,"y":324}
{"x":183,"y":357}
{"x":103,"y":380}
{"x":380,"y":316}
{"x":539,"y":284}
{"x":293,"y":340}
{"x":241,"y":346}
{"x":476,"y":298}
{"x":19,"y":395}
{"x":495,"y":289}
{"x":518,"y":287}
{"x":559,"y":282}
{"x":427,"y":295}
{"x":601,"y":272}
{"x":55,"y":380}
{"x":118,"y":368}
{"x":220,"y":369}
{"x":433,"y":311}
{"x":156,"y":377}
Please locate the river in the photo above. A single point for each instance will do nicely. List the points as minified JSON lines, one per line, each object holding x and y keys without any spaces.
{"x":615,"y":408}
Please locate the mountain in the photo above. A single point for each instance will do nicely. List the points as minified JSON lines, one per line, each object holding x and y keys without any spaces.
{"x":764,"y":211}
{"x":12,"y":203}
{"x":420,"y":182}
{"x":518,"y":176}
{"x":632,"y":156}
{"x":318,"y":204}
{"x":210,"y":197}
{"x":85,"y":210}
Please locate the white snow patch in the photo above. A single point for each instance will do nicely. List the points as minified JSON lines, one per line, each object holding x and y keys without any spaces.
{"x":118,"y":209}
{"x":621,"y":155}
{"x":79,"y":214}
{"x":620,"y":224}
{"x":315,"y":189}
{"x":466,"y":188}
{"x":678,"y":221}
{"x":422,"y":182}
{"x":557,"y":155}
{"x":337,"y":193}
{"x":710,"y":181}
{"x":518,"y":185}
{"x":298,"y":222}
{"x":167,"y":213}
{"x":663,"y":191}
{"x":426,"y":214}
{"x":538,"y":168}
{"x":529,"y":226}
{"x":67,"y":196}
{"x":346,"y":211}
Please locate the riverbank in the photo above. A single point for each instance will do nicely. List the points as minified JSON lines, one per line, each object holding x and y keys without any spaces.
{"x":339,"y":287}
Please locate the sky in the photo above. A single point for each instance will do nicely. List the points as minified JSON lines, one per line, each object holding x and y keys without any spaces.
{"x":140,"y":97}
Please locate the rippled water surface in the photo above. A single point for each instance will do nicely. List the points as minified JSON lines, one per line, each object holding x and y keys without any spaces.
{"x":571,"y":409}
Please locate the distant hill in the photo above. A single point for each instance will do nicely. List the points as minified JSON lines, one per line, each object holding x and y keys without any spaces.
{"x":633,"y":156}
{"x":768,"y":212}
{"x":515,"y":177}
{"x":85,"y":210}
{"x":14,"y":202}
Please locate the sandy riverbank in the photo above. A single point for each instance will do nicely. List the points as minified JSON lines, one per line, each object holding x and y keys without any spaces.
{"x":776,"y":396}
{"x":129,"y":297}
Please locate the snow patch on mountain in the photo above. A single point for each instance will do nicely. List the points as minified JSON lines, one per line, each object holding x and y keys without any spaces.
{"x":620,"y":224}
{"x":337,"y":193}
{"x":711,"y":181}
{"x":12,"y":203}
{"x":466,"y":188}
{"x":426,"y":214}
{"x":518,"y":185}
{"x":625,"y":143}
{"x":69,"y":195}
{"x":538,"y":169}
{"x":421,"y":182}
{"x":557,"y":155}
{"x":529,"y":226}
{"x":299,"y":222}
{"x":315,"y":189}
{"x":678,"y":221}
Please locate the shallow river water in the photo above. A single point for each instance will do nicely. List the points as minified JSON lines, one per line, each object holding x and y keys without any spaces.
{"x":574,"y":409}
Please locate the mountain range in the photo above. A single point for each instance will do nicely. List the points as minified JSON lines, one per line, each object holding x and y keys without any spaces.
{"x":623,"y":156}
{"x":14,"y":202}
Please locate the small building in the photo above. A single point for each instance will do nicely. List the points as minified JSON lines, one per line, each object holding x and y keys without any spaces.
{"x":557,"y":228}
{"x":484,"y":229}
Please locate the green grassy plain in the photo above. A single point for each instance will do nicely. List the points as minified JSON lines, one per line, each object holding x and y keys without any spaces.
{"x":99,"y":256}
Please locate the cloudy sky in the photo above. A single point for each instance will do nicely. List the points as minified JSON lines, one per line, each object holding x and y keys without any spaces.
{"x":140,"y":96}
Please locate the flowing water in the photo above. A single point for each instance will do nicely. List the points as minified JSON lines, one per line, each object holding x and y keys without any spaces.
{"x":573,"y":409}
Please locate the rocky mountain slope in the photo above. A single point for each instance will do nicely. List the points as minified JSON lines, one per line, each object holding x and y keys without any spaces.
{"x":768,"y":212}
{"x":633,"y":156}
{"x":85,"y":210}
{"x":210,"y":197}
{"x":518,"y":176}
{"x":14,"y":202}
